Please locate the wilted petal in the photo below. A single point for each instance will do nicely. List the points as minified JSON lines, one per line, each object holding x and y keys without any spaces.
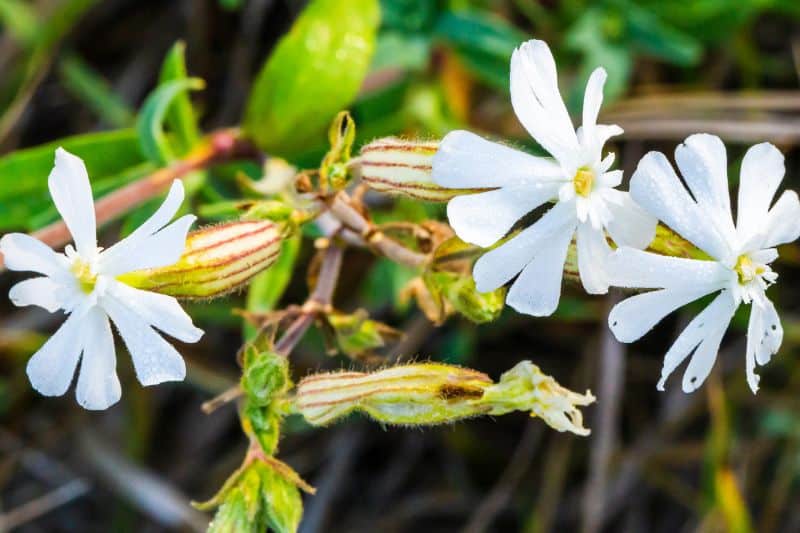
{"x":72,"y":194}
{"x":154,"y":359}
{"x":630,"y":225}
{"x":657,"y":189}
{"x":593,"y":251}
{"x":705,"y":330}
{"x":98,"y":385}
{"x":484,"y":218}
{"x":50,"y":370}
{"x":764,"y":338}
{"x":537,"y":290}
{"x":498,"y":266}
{"x":466,"y":160}
{"x":158,"y":310}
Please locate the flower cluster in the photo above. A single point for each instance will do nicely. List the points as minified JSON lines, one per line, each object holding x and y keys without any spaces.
{"x":587,"y":206}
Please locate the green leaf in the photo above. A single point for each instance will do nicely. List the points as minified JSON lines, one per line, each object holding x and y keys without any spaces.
{"x":150,"y":125}
{"x":315,"y":71}
{"x":409,"y":16}
{"x":181,"y":118}
{"x":95,"y":92}
{"x":657,"y":38}
{"x":20,"y":19}
{"x":284,"y":506}
{"x":23,"y":174}
{"x":267,"y":287}
{"x":396,"y":50}
{"x":265,"y":375}
{"x":482,"y":41}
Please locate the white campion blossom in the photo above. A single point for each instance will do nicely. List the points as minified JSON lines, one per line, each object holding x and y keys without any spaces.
{"x":82,"y":282}
{"x":577,"y":178}
{"x":738,"y":268}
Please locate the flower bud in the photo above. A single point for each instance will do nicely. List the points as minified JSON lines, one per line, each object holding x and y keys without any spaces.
{"x":435,"y":393}
{"x":416,"y":394}
{"x":403,"y":167}
{"x":216,"y":260}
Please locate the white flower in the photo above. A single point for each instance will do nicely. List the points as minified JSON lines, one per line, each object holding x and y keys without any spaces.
{"x":738,"y":268}
{"x":82,"y":282}
{"x":577,"y":178}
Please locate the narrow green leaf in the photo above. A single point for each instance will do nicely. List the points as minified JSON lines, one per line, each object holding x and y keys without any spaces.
{"x":88,"y":86}
{"x":150,"y":125}
{"x":284,"y":506}
{"x":315,"y":71}
{"x":181,"y":118}
{"x":20,"y":19}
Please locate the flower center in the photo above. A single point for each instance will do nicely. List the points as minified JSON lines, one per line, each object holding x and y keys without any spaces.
{"x":747,"y":270}
{"x":583,"y":182}
{"x":85,"y":275}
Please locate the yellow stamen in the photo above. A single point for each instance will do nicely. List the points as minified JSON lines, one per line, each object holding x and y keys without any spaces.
{"x":86,"y":278}
{"x":747,"y":270}
{"x":584,"y":182}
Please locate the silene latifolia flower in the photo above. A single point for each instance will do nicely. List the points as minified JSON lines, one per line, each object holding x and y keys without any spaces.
{"x":738,"y":268}
{"x":83,"y":283}
{"x":577,"y":178}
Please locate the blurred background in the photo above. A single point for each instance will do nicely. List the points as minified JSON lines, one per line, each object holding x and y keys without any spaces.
{"x":721,"y":459}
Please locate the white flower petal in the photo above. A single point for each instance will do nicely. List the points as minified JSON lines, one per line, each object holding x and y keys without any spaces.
{"x":762,"y":172}
{"x":537,"y":290}
{"x":130,"y":244}
{"x":706,"y":330}
{"x":158,"y":310}
{"x":163,"y":248}
{"x":593,"y":252}
{"x":43,"y":292}
{"x":630,"y":319}
{"x":593,"y":99}
{"x":465,"y":160}
{"x":633,"y":268}
{"x":704,"y":166}
{"x":498,"y":266}
{"x":23,"y":252}
{"x":537,"y":101}
{"x":769,"y":334}
{"x":783,"y":221}
{"x":484,"y":218}
{"x":72,"y":195}
{"x":659,"y":191}
{"x":98,"y":385}
{"x":154,"y":359}
{"x":50,"y":370}
{"x":630,"y":225}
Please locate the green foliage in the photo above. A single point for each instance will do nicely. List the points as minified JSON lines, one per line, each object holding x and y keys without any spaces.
{"x":315,"y":71}
{"x":256,"y":499}
{"x":341,"y":135}
{"x":265,"y":375}
{"x":460,"y":292}
{"x":357,"y":335}
{"x":113,"y":157}
{"x":181,"y":118}
{"x":483,"y":42}
{"x":95,"y":92}
{"x":150,"y":125}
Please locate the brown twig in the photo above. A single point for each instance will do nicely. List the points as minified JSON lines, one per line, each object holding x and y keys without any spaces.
{"x":218,"y":146}
{"x":341,"y":208}
{"x":320,"y":298}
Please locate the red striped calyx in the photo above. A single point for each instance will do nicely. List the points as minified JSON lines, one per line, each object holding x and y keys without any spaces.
{"x":217,"y":260}
{"x":403,"y":167}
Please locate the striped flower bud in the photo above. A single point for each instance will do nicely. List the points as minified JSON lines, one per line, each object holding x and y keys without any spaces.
{"x":416,"y":394}
{"x":217,"y":260}
{"x":434,"y":393}
{"x":403,"y":167}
